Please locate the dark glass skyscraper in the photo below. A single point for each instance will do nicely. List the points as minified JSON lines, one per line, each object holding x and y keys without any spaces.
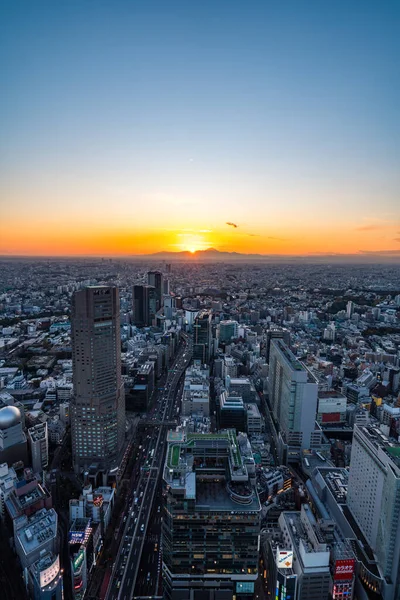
{"x":202,"y":337}
{"x":144,"y":305}
{"x":98,"y":403}
{"x":155,"y":278}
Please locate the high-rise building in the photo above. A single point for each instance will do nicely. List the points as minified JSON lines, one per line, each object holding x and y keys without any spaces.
{"x":293,"y":394}
{"x":155,"y":278}
{"x":373,"y":497}
{"x":202,"y":337}
{"x":39,"y":443}
{"x":211,"y":521}
{"x":98,"y":403}
{"x":349,"y":309}
{"x":144,"y":305}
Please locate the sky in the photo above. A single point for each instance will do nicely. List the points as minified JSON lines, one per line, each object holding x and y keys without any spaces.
{"x":132,"y":127}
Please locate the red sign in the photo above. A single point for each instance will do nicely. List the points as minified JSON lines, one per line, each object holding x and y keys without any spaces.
{"x":331,"y":417}
{"x":344,"y":569}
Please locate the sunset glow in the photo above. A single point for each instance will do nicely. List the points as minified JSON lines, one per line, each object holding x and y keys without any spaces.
{"x":191,"y":133}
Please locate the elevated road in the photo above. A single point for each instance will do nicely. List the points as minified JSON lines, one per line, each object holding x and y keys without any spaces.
{"x":126,"y":566}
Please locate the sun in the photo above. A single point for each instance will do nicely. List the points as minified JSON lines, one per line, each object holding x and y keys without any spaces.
{"x":192,"y":250}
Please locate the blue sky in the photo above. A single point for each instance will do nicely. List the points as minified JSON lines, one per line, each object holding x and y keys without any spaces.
{"x":259,"y":112}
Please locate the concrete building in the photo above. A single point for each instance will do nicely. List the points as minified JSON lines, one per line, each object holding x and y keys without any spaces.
{"x":35,"y":534}
{"x":196,"y":392}
{"x":39,"y":444}
{"x":45,"y":579}
{"x":98,"y":404}
{"x":304,"y":554}
{"x":331,"y":407}
{"x":254,"y":419}
{"x":373,"y":497}
{"x":293,"y":399}
{"x":7,"y":478}
{"x":211,"y":519}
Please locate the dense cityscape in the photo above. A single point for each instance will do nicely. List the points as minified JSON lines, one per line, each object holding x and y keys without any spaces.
{"x":197,"y":430}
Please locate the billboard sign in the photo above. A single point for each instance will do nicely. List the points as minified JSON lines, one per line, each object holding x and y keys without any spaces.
{"x":344,"y":569}
{"x":284,"y":559}
{"x":47,"y":575}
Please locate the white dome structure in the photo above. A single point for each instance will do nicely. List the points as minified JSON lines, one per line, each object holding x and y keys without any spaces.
{"x":9,"y":416}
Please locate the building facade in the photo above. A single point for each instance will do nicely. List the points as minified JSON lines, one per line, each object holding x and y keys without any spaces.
{"x":211,"y":519}
{"x":98,"y":403}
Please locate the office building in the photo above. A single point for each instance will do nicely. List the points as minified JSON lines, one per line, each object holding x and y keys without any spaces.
{"x":35,"y":534}
{"x":7,"y":478}
{"x":144,"y":305}
{"x":13,"y":443}
{"x":196,"y":392}
{"x":39,"y":443}
{"x":231,"y":412}
{"x":202,"y":337}
{"x":298,"y":558}
{"x":27,"y":496}
{"x":45,"y":580}
{"x":98,"y":404}
{"x":155,"y":279}
{"x":228,"y":331}
{"x":273,"y":334}
{"x":254,"y":420}
{"x":211,"y":519}
{"x":331,"y":407}
{"x":373,"y":497}
{"x":293,"y":399}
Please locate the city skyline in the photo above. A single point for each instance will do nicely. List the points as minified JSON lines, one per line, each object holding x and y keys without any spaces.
{"x":134,"y":129}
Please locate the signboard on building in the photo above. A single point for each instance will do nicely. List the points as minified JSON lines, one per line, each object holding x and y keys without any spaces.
{"x":344,"y":569}
{"x":284,"y":559}
{"x":47,"y":575}
{"x":76,"y":537}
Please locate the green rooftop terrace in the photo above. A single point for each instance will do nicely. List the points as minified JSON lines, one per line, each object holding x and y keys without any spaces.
{"x":229,"y":437}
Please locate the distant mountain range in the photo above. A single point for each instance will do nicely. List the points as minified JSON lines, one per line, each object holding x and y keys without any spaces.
{"x":213,"y":255}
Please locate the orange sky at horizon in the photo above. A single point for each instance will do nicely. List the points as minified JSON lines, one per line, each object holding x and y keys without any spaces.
{"x":63,"y":239}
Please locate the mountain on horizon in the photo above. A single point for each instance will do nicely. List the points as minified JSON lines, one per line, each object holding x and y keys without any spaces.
{"x":218,"y":255}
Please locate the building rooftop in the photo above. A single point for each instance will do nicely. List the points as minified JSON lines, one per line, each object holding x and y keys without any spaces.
{"x":36,"y":530}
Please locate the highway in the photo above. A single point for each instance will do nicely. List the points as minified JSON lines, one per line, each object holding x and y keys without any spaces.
{"x":142,"y":500}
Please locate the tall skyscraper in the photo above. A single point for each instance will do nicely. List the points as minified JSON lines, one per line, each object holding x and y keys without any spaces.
{"x":202,"y":337}
{"x":98,"y":403}
{"x":211,"y":521}
{"x":144,"y":305}
{"x":155,"y":278}
{"x":293,"y":395}
{"x":373,"y":497}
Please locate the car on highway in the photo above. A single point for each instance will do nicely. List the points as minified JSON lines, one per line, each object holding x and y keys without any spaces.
{"x":142,"y":527}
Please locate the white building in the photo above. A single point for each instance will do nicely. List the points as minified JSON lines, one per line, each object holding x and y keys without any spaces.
{"x":331,"y":407}
{"x":373,"y":496}
{"x":254,"y":419}
{"x":293,"y":397}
